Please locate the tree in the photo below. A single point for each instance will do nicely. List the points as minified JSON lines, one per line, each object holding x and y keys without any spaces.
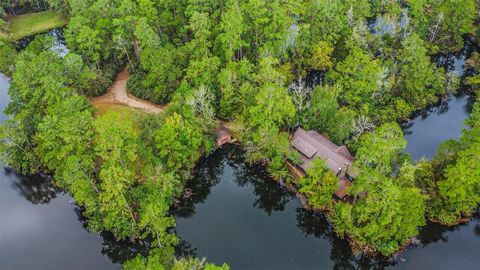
{"x":37,"y":83}
{"x":420,"y":82}
{"x":319,"y":184}
{"x":325,"y":115}
{"x":456,"y":182}
{"x":232,"y":29}
{"x":382,"y":150}
{"x":459,"y":191}
{"x":386,"y":219}
{"x":155,"y":261}
{"x":273,"y":105}
{"x":7,"y":57}
{"x":236,"y":89}
{"x":116,"y":144}
{"x":357,"y":75}
{"x":162,"y":74}
{"x":449,"y":21}
{"x":154,"y":199}
{"x":268,"y":23}
{"x":85,"y":40}
{"x":66,"y":131}
{"x":177,"y":142}
{"x":326,"y":20}
{"x":321,"y":57}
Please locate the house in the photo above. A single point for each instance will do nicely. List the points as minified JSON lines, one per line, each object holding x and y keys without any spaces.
{"x":311,"y":145}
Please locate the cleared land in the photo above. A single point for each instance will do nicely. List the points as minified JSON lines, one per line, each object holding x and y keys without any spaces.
{"x":118,"y":96}
{"x":25,"y":25}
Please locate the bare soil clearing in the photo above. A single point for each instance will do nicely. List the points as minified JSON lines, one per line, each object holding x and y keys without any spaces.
{"x":119,"y":95}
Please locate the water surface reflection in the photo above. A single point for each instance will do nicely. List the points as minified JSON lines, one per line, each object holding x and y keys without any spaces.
{"x":237,"y":214}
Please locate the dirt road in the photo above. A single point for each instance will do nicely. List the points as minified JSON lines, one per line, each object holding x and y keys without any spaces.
{"x":118,"y":95}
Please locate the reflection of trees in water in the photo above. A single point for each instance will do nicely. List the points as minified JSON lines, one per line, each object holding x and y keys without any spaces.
{"x":121,"y":251}
{"x":118,"y":251}
{"x":185,"y":249}
{"x":316,"y":224}
{"x":313,"y":223}
{"x":270,"y":196}
{"x":469,"y":106}
{"x":35,"y":188}
{"x":57,"y":33}
{"x":435,"y":232}
{"x":207,"y":174}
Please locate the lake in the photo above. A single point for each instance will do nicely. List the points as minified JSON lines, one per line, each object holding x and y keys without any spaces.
{"x":236,"y":214}
{"x":39,"y":225}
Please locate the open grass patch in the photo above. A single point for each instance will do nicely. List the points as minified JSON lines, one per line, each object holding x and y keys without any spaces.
{"x":103,"y":108}
{"x":25,"y":25}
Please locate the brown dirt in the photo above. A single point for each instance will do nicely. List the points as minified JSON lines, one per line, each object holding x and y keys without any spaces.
{"x":118,"y":94}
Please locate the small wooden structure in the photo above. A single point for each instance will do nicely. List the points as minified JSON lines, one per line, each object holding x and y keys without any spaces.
{"x":223,"y":135}
{"x":311,"y":145}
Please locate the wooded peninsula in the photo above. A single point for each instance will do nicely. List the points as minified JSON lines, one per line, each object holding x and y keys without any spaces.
{"x":121,"y":120}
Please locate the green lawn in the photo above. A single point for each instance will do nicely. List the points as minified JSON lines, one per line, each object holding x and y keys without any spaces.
{"x":30,"y":24}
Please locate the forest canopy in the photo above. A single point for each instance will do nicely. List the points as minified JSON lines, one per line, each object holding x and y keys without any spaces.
{"x":351,"y":70}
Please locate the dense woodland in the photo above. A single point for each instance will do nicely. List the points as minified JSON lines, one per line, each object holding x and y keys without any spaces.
{"x":249,"y":63}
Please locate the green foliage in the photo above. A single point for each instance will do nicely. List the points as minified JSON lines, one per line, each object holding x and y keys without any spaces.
{"x":236,"y":88}
{"x":154,"y":262}
{"x":420,"y":81}
{"x":235,"y":59}
{"x":460,"y":189}
{"x":386,"y":219}
{"x":321,"y":57}
{"x":325,"y":115}
{"x":7,"y":57}
{"x":450,"y":21}
{"x":456,"y":176}
{"x":273,"y":106}
{"x":65,"y":132}
{"x":178,"y":142}
{"x":232,"y":27}
{"x":161,"y":76}
{"x":474,"y":62}
{"x":319,"y":184}
{"x":117,"y":145}
{"x":357,"y":75}
{"x":197,"y":264}
{"x":382,"y":150}
{"x":44,"y":73}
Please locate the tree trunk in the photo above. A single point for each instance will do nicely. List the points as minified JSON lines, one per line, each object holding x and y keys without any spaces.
{"x":128,"y":57}
{"x":129,"y":209}
{"x":136,"y":48}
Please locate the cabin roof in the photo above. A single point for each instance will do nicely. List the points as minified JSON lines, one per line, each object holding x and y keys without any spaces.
{"x":311,"y":144}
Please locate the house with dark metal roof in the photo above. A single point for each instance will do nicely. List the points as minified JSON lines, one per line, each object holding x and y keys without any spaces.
{"x":311,"y":145}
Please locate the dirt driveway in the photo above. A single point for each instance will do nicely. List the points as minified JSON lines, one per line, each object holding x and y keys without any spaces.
{"x":118,"y":95}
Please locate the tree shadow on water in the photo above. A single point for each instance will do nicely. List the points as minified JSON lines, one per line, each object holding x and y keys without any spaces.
{"x":37,"y":189}
{"x":207,"y":174}
{"x":269,"y":196}
{"x":316,"y":224}
{"x":434,"y":232}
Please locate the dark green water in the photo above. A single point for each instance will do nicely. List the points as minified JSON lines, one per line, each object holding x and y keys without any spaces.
{"x":236,"y":214}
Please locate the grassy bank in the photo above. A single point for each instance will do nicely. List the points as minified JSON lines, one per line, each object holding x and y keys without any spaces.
{"x":21,"y":26}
